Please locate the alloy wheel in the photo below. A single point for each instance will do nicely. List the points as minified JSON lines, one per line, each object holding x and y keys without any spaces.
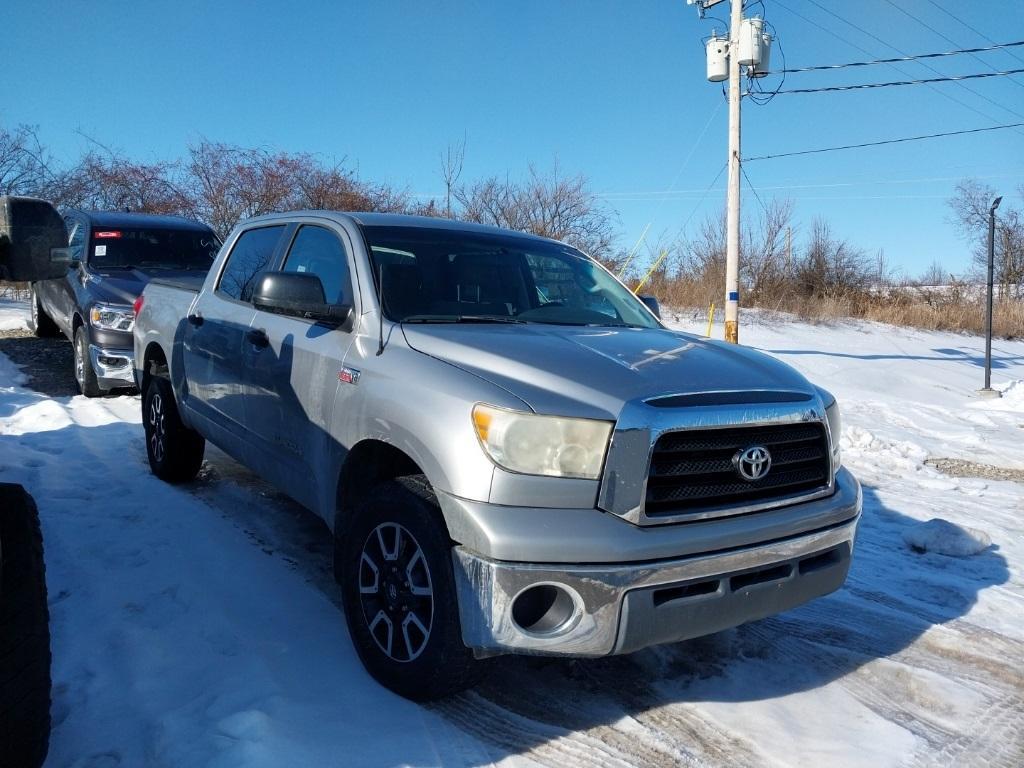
{"x":396,"y":592}
{"x":80,"y":363}
{"x":156,"y":427}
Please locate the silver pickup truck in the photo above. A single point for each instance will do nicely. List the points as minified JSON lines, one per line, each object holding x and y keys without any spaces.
{"x":514,"y":455}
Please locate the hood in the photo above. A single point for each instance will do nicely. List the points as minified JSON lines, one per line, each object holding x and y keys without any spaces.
{"x":592,"y":372}
{"x":122,"y":286}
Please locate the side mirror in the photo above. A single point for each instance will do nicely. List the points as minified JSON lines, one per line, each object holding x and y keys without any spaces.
{"x":297,"y":294}
{"x":652,"y":304}
{"x":31,"y":231}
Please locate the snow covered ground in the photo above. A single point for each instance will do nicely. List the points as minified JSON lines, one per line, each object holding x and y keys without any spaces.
{"x":200,"y":626}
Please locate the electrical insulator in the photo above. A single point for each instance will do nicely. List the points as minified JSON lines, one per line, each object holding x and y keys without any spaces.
{"x":717,"y":49}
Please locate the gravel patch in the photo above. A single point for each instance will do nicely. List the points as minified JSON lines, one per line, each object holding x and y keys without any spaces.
{"x":48,"y":363}
{"x":964,"y":468}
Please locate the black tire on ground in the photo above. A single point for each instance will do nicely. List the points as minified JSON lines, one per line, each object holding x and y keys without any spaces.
{"x":84,"y":373}
{"x":24,"y":634}
{"x":39,"y":322}
{"x":175,"y":451}
{"x":396,"y":520}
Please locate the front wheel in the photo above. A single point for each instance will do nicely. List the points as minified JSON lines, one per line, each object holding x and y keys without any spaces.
{"x":84,"y":373}
{"x":399,"y":593}
{"x":175,"y":452}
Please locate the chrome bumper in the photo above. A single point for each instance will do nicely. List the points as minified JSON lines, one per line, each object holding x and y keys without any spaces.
{"x":619,"y":608}
{"x":114,"y":368}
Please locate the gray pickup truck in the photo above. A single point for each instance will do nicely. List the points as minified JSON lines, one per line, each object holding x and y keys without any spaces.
{"x":514,"y":455}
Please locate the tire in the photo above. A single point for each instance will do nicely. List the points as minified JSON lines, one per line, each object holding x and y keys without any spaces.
{"x":24,"y":634}
{"x":175,"y":451}
{"x":401,"y":518}
{"x":84,"y":373}
{"x":39,"y":322}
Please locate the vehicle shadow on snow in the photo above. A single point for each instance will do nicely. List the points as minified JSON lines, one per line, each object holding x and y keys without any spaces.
{"x":970,"y":356}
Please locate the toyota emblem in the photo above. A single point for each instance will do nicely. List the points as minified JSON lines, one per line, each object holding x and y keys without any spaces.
{"x":752,"y":463}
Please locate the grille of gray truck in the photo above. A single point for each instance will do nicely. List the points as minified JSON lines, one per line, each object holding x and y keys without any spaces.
{"x":695,"y":470}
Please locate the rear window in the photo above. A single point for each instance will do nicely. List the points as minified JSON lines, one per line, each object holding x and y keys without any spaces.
{"x":121,"y":247}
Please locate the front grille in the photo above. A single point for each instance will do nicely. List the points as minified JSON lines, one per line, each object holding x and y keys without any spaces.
{"x":693,"y":470}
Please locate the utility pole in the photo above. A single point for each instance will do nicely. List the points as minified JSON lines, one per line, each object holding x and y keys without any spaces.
{"x":789,"y":251}
{"x":988,"y":391}
{"x":732,"y":238}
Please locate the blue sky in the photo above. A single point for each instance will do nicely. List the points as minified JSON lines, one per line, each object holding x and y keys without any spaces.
{"x":614,"y":90}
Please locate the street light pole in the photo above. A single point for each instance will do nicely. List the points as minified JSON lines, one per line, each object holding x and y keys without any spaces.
{"x":988,"y":391}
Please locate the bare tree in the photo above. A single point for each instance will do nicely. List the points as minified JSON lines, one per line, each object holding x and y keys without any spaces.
{"x":970,"y":207}
{"x":451,"y":170}
{"x":24,"y":164}
{"x":546,"y":204}
{"x":935,"y":275}
{"x":227,"y":183}
{"x":764,"y":264}
{"x":831,"y":267}
{"x":106,"y":180}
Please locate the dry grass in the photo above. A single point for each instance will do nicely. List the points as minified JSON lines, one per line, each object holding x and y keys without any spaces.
{"x":949,"y":311}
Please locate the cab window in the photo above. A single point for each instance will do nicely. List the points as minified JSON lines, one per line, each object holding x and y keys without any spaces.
{"x":318,"y":251}
{"x":76,"y":237}
{"x":250,"y":256}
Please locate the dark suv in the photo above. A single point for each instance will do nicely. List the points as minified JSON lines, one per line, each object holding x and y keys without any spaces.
{"x":113,"y":256}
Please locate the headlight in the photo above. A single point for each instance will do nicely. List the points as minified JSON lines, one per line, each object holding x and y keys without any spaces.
{"x":542,"y":445}
{"x":835,"y":425}
{"x":108,"y":317}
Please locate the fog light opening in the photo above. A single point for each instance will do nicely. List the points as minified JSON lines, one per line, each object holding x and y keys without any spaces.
{"x":544,"y":609}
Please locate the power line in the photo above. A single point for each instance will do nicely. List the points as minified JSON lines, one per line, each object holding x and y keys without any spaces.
{"x":948,"y":39}
{"x":752,"y":189}
{"x":862,"y":86}
{"x":929,"y":67}
{"x":686,"y":194}
{"x":902,"y":71}
{"x":996,"y":47}
{"x":880,"y":143}
{"x":978,"y":32}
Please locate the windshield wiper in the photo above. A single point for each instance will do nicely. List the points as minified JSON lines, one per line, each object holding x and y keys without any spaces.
{"x":461,"y":319}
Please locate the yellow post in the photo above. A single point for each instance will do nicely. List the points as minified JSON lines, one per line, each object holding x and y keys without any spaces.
{"x":711,"y":318}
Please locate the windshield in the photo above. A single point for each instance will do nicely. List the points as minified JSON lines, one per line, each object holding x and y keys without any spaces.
{"x":152,"y":248}
{"x":437,"y":275}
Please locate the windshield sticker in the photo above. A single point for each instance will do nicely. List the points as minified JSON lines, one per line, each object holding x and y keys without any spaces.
{"x":101,"y":250}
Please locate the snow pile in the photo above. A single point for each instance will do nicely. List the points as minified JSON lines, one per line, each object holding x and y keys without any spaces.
{"x":13,"y":315}
{"x":946,"y":538}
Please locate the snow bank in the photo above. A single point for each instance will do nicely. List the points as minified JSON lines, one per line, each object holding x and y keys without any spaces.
{"x":13,"y":315}
{"x":946,"y":538}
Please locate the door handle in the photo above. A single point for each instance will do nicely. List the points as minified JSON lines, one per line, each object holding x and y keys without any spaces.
{"x":258,"y":337}
{"x":196,"y":320}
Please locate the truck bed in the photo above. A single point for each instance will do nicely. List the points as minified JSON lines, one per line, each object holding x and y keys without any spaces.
{"x":191,"y":283}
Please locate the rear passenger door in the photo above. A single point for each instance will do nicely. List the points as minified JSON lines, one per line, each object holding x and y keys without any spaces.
{"x":216,"y":332}
{"x":291,"y":382}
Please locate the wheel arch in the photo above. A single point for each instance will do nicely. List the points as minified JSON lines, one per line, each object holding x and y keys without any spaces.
{"x":367,"y":464}
{"x":154,"y":363}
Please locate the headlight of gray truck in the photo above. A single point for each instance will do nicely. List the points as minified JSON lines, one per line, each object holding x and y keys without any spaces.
{"x":542,"y":445}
